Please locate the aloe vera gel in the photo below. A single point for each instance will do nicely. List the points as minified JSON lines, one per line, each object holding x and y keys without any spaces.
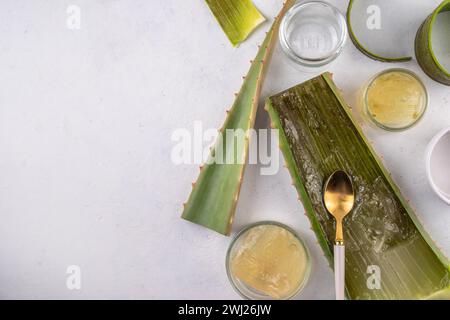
{"x":395,"y":99}
{"x":268,"y":261}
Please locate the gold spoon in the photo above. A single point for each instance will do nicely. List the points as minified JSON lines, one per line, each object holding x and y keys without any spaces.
{"x":339,"y":198}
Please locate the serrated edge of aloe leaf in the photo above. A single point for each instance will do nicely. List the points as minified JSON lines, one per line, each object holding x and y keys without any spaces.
{"x":243,"y":26}
{"x":267,"y":45}
{"x":424,"y":49}
{"x":361,"y":48}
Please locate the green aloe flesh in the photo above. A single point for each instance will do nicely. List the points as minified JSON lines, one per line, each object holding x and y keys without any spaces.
{"x":214,"y":196}
{"x":424,"y":50}
{"x":319,"y":136}
{"x":361,"y":47}
{"x":238,"y":18}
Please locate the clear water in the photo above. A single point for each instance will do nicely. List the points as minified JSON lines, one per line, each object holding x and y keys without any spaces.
{"x":313,"y":38}
{"x":313,"y":33}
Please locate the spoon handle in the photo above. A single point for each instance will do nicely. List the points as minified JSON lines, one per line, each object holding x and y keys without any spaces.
{"x":339,"y":271}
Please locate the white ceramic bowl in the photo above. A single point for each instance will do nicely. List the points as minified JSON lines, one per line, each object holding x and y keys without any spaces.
{"x":438,"y":164}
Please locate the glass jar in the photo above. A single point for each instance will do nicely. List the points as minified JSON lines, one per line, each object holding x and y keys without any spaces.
{"x":313,"y":34}
{"x":394,"y":99}
{"x":237,"y":244}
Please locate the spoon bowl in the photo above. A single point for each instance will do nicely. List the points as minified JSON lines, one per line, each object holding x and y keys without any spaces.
{"x":339,"y":198}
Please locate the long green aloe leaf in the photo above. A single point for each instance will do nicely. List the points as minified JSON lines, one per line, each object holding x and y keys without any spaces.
{"x":361,"y":47}
{"x":383,"y":237}
{"x":213,"y":199}
{"x":238,"y":18}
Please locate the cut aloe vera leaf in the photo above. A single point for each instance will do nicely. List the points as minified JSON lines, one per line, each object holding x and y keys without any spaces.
{"x":238,"y":18}
{"x":214,"y":196}
{"x":385,"y":243}
{"x":375,"y":28}
{"x":432,"y":44}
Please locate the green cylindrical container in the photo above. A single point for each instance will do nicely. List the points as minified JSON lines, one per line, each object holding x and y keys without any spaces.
{"x":424,"y":49}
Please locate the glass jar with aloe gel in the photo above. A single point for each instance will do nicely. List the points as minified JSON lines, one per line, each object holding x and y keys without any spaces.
{"x":267,"y":261}
{"x":394,"y":99}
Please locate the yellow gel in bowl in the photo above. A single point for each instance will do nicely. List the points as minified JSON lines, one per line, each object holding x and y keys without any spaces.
{"x":271,"y":260}
{"x":395,"y":99}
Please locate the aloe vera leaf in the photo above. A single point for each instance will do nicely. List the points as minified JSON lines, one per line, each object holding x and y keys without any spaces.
{"x":238,"y":18}
{"x":424,"y":49}
{"x":364,"y":50}
{"x":214,"y":196}
{"x":318,"y":136}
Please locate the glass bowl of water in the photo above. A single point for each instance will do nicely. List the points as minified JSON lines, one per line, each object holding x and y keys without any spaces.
{"x":313,"y":33}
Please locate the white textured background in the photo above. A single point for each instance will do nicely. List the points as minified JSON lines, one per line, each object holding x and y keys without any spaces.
{"x":86,"y":118}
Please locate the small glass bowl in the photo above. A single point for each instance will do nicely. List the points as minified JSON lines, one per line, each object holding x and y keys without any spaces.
{"x":364,"y":104}
{"x":313,"y":34}
{"x":243,"y":289}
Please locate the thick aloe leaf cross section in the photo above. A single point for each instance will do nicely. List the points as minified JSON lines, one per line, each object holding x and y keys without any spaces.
{"x":388,"y":254}
{"x":214,"y":196}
